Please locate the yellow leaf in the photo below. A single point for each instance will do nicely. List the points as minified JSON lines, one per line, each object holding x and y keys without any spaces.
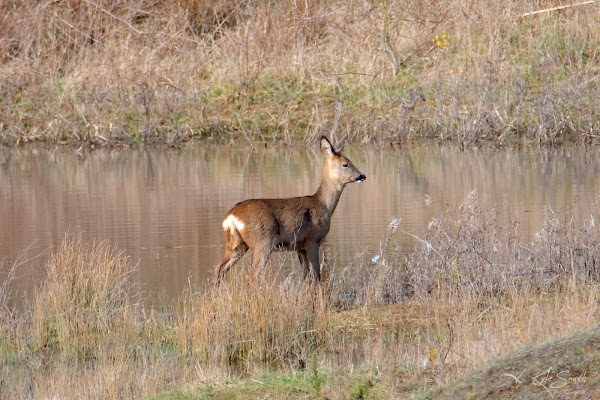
{"x":432,"y":354}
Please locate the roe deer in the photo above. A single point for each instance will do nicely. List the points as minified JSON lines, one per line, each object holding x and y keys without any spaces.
{"x":297,"y":224}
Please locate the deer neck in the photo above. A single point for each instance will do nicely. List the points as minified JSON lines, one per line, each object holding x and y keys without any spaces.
{"x":329,"y":193}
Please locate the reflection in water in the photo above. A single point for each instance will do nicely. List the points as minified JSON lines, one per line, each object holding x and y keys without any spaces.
{"x":164,"y":207}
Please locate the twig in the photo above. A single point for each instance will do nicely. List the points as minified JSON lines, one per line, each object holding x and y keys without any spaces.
{"x":22,"y":258}
{"x":449,"y":344}
{"x":77,"y":30}
{"x":355,"y":73}
{"x":583,"y":3}
{"x":426,"y":243}
{"x":170,"y":84}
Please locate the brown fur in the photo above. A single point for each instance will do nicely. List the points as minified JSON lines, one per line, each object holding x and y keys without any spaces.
{"x":297,"y":224}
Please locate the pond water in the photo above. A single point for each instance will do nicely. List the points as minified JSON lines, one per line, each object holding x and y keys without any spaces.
{"x":164,"y":207}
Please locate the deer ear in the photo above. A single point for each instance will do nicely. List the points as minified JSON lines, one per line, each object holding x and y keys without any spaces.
{"x":327,"y":148}
{"x":339,"y":146}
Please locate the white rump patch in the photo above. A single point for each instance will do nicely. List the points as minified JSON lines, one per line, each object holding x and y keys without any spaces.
{"x":231,"y":222}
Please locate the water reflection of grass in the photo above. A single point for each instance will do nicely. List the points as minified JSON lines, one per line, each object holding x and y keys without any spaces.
{"x":470,"y":293}
{"x":102,"y":72}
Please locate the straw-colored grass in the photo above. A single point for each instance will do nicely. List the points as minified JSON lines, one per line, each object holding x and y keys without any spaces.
{"x":83,"y":298}
{"x":471,"y":292}
{"x":106,"y":72}
{"x":242,"y":324}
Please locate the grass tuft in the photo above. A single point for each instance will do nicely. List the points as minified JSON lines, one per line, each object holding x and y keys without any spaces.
{"x":235,"y":323}
{"x":83,"y":298}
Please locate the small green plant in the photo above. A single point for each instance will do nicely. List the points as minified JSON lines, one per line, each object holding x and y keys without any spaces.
{"x":473,"y":395}
{"x":427,"y":395}
{"x":317,"y":379}
{"x":362,"y":389}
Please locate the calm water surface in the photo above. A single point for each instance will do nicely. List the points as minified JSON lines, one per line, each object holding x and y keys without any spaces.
{"x":164,"y":207}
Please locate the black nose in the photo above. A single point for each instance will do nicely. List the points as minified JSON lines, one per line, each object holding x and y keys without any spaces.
{"x":361,"y":178}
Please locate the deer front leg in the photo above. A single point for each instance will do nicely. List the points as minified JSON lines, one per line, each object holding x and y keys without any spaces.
{"x":312,"y":253}
{"x":304,"y":262}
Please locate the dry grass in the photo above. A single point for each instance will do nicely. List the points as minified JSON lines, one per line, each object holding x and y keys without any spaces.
{"x":467,"y":253}
{"x":471,"y":292}
{"x":243,"y":324}
{"x":83,"y":298}
{"x":105,"y":72}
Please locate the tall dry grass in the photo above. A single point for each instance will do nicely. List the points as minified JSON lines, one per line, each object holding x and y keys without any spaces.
{"x":242,"y":324}
{"x":82,"y":299}
{"x":103,"y":72}
{"x":468,"y":253}
{"x":471,"y":292}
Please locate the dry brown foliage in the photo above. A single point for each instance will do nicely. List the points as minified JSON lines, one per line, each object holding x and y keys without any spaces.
{"x":104,"y":72}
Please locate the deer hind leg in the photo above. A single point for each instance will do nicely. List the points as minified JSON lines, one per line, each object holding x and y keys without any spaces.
{"x":259,"y":260}
{"x":235,"y":248}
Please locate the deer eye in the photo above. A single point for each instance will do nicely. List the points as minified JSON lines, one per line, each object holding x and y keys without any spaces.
{"x":345,"y":165}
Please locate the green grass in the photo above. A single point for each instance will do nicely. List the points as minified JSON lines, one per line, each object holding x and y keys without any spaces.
{"x":295,"y":385}
{"x":273,"y":385}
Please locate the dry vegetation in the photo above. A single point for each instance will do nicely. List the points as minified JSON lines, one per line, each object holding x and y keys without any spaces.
{"x":107,"y":71}
{"x":471,"y":292}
